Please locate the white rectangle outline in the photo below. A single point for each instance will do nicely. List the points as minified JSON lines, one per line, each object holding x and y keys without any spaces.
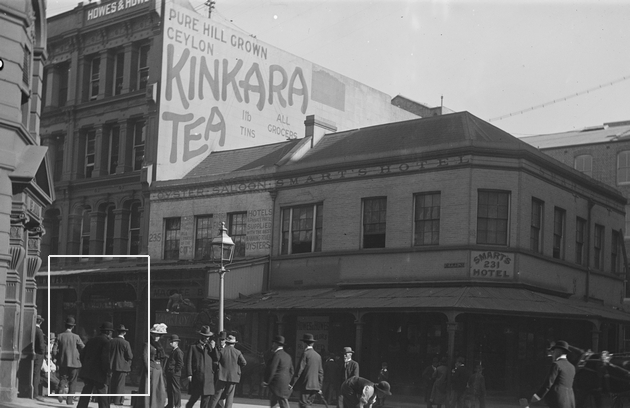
{"x":148,"y":320}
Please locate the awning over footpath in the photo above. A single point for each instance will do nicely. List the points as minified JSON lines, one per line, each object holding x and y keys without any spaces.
{"x":473,"y":299}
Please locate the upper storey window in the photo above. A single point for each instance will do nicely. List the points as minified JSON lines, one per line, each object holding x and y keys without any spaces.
{"x":584,"y":163}
{"x":374,"y":222}
{"x":623,"y":167}
{"x":302,"y":229}
{"x":427,"y":219}
{"x":95,"y":77}
{"x":492,"y":217}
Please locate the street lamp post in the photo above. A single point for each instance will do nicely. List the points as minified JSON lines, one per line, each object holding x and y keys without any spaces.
{"x":222,"y":252}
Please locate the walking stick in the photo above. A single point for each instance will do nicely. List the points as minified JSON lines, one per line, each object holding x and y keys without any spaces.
{"x":321,"y":395}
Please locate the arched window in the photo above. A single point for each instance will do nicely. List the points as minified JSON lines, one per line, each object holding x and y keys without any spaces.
{"x":584,"y":163}
{"x":623,"y":167}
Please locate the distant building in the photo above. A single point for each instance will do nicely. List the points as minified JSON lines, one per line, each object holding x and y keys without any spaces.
{"x":25,"y":188}
{"x":436,"y":236}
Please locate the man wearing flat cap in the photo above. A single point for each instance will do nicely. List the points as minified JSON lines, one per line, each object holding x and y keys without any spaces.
{"x":310,"y":373}
{"x":359,"y":392}
{"x":199,"y":368}
{"x":95,"y":367}
{"x":557,"y":389}
{"x":278,"y":374}
{"x":67,"y":352}
{"x":120,"y":357}
{"x":231,"y":361}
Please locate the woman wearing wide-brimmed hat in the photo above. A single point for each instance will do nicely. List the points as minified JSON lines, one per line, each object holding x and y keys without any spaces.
{"x":155,"y":356}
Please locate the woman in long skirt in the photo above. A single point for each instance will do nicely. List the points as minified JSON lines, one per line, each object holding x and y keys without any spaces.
{"x":154,"y":385}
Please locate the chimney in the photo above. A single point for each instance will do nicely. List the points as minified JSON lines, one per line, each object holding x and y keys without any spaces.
{"x":315,"y":128}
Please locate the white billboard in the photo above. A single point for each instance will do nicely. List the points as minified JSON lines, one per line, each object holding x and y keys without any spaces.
{"x":222,"y":89}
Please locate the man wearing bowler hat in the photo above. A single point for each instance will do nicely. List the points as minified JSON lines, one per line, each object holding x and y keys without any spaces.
{"x":310,"y":373}
{"x":120,"y":357}
{"x":173,"y":371}
{"x":199,"y":368}
{"x":557,"y":390}
{"x":349,"y":368}
{"x":67,"y":352}
{"x":96,"y":368}
{"x":278,"y":374}
{"x":231,"y":361}
{"x":359,"y":392}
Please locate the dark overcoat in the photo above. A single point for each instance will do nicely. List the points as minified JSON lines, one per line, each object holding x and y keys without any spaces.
{"x":230,"y":362}
{"x":199,"y":363}
{"x":120,"y":355}
{"x":557,"y":390}
{"x":95,"y":359}
{"x":175,"y":363}
{"x":310,"y":373}
{"x":278,"y":374}
{"x":348,"y":370}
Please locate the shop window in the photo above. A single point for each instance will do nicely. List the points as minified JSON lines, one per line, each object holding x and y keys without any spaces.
{"x":171,"y":237}
{"x":623,"y":167}
{"x":85,"y":231}
{"x":598,"y":247}
{"x":535,"y":232}
{"x":492,"y":217}
{"x":90,"y":152}
{"x":203,"y":237}
{"x":374,"y":222}
{"x":237,"y":231}
{"x":134,"y":229}
{"x":302,"y":229}
{"x":580,"y":237}
{"x":113,"y":146}
{"x":108,"y":233}
{"x":615,"y":252}
{"x":584,"y":163}
{"x":559,"y":216}
{"x":427,"y":219}
{"x":139,"y":138}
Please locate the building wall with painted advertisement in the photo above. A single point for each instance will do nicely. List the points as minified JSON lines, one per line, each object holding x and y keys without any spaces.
{"x":222,"y":89}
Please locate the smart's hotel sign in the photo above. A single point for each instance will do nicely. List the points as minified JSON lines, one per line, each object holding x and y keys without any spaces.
{"x":222,"y":89}
{"x":112,"y":8}
{"x":492,"y":265}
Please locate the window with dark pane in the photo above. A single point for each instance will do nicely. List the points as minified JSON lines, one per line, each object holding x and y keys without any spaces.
{"x":172,"y":227}
{"x":492,"y":217}
{"x":203,"y":237}
{"x":237,"y":231}
{"x":427,"y":219}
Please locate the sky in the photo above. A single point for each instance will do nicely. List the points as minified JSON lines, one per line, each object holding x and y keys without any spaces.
{"x":527,"y":67}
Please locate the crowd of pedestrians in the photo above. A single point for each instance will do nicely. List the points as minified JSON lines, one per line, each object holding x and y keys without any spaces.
{"x":458,"y":387}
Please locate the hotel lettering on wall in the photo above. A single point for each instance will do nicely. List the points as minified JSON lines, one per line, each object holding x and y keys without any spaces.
{"x":492,"y":265}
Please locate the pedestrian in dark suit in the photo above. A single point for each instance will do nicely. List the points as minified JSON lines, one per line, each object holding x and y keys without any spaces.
{"x":120,"y":357}
{"x":349,"y":368}
{"x":557,"y":390}
{"x":96,"y":368}
{"x":199,"y":368}
{"x":459,"y":381}
{"x":278,"y":374}
{"x":39,"y":349}
{"x":173,"y":370}
{"x":230,"y":362}
{"x":309,"y":374}
{"x":428,"y":379}
{"x":67,"y":351}
{"x":332,"y":373}
{"x":359,"y":392}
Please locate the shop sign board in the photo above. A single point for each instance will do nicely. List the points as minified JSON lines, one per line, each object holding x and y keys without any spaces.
{"x":492,"y":265}
{"x":318,"y":326}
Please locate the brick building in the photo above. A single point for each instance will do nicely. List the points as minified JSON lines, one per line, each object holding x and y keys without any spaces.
{"x":25,"y":188}
{"x":433,"y":236}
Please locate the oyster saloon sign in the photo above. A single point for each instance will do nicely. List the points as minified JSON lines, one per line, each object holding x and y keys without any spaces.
{"x":491,"y":265}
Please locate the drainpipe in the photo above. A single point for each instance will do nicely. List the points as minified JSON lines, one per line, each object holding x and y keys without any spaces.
{"x":587,"y":289}
{"x":274,"y":195}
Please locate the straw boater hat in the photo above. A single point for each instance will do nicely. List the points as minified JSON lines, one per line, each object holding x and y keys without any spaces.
{"x":383,"y":387}
{"x":308,"y":338}
{"x":347,"y":350}
{"x":205,"y":331}
{"x":158,"y":328}
{"x":231,"y":339}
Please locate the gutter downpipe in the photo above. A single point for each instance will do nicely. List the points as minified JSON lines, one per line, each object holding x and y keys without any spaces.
{"x":587,"y":289}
